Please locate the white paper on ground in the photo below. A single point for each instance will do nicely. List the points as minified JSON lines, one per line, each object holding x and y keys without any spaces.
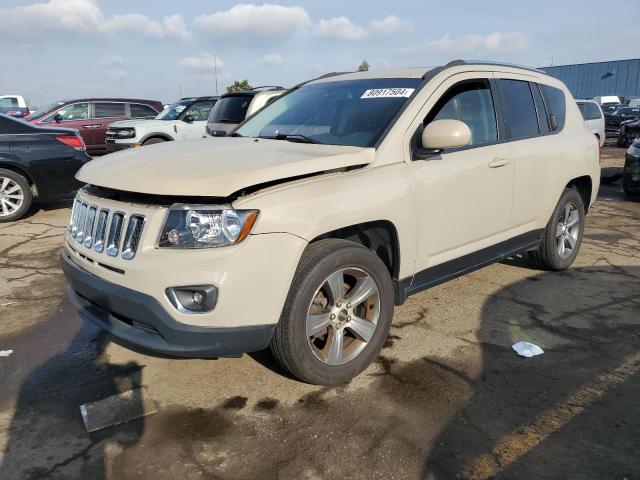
{"x":5,"y":353}
{"x":526,"y":349}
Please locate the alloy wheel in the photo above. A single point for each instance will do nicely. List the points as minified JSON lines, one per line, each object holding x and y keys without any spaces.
{"x":11,"y":196}
{"x":343,"y":316}
{"x":568,"y":230}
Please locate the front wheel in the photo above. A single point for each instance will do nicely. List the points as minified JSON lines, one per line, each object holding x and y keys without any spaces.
{"x":563,"y":234}
{"x":337,"y":314}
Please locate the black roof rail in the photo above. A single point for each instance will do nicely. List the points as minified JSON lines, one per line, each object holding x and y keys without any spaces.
{"x":265,"y":87}
{"x":206,"y":97}
{"x":326,"y":75}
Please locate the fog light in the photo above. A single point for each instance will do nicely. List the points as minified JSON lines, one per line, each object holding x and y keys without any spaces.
{"x":193,"y":299}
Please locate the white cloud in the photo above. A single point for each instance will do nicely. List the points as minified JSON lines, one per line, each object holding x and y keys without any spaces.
{"x":390,"y":25}
{"x":272,"y":59}
{"x":116,"y":74}
{"x":84,"y":18}
{"x":248,"y":20}
{"x":201,"y":63}
{"x":497,"y":42}
{"x":340,"y":28}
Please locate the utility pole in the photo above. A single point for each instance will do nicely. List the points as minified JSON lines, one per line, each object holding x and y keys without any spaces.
{"x":215,"y":67}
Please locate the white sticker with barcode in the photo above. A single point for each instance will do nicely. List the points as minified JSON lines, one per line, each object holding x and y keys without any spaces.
{"x":388,"y":93}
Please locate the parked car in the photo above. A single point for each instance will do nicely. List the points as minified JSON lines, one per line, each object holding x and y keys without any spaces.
{"x":615,"y":119}
{"x":36,"y":163}
{"x":183,"y":120}
{"x":631,"y":172}
{"x":327,"y":207}
{"x":593,"y":118}
{"x":13,"y":106}
{"x":92,"y":116}
{"x":629,"y":132}
{"x":234,"y":108}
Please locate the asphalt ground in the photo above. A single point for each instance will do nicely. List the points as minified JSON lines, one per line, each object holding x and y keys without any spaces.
{"x":447,"y":398}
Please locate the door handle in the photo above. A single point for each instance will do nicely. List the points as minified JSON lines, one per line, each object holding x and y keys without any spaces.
{"x":498,"y":162}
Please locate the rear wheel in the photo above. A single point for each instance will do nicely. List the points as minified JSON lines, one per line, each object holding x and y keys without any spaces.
{"x":337,"y":314}
{"x":563,"y":234}
{"x":15,"y":195}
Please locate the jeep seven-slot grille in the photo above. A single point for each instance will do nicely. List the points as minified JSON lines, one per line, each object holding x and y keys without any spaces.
{"x":104,"y":231}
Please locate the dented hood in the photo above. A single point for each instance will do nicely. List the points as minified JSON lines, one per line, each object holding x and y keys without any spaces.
{"x":215,"y":167}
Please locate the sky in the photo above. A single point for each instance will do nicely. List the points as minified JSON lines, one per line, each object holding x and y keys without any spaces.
{"x":161,"y":50}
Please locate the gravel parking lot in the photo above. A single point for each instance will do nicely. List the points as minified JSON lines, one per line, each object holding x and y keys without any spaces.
{"x":447,"y":398}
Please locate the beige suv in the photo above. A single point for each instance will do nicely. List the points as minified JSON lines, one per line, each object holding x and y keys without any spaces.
{"x":304,"y":228}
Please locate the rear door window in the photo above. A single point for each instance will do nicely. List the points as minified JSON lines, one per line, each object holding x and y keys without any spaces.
{"x":109,"y":110}
{"x":519,"y":109}
{"x":142,"y":111}
{"x":230,"y":109}
{"x":556,"y":105}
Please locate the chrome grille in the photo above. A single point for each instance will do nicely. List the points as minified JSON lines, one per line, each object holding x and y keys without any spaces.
{"x":101,"y":230}
{"x":82,"y":218}
{"x":88,"y":228}
{"x":132,"y":236}
{"x":115,"y":231}
{"x":96,"y":228}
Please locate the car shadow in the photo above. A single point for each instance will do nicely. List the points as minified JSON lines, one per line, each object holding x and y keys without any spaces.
{"x":570,"y":413}
{"x":46,"y":438}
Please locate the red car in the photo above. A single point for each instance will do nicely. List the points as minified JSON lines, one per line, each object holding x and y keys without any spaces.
{"x":92,"y":116}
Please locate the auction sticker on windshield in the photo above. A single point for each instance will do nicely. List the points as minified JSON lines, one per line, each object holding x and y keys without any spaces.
{"x":388,"y":93}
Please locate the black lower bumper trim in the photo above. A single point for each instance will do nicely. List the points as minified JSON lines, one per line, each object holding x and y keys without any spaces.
{"x":139,"y":321}
{"x":116,"y":147}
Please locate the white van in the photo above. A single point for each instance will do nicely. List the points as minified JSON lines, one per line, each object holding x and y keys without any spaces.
{"x":593,"y":118}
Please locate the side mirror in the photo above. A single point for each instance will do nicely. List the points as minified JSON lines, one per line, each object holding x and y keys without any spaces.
{"x":57,"y":118}
{"x":443,"y":134}
{"x":188,"y":119}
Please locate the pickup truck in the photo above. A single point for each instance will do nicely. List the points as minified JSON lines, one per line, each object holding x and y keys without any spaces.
{"x":13,"y":106}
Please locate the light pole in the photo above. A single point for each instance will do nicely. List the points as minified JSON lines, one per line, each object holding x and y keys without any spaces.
{"x":215,"y":67}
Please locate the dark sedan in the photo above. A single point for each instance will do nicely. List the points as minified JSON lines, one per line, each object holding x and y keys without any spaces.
{"x":36,"y":163}
{"x":631,"y":172}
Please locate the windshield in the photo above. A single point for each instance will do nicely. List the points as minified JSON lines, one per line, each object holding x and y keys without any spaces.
{"x":351,"y":112}
{"x":231,"y":109}
{"x":43,"y":111}
{"x":174,"y":111}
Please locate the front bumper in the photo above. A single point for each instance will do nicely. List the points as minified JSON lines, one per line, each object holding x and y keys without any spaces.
{"x":116,"y":147}
{"x":139,"y":321}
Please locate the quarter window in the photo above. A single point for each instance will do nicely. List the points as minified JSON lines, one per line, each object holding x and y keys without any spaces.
{"x":109,"y":110}
{"x":471,"y":103}
{"x":142,"y":111}
{"x":520,"y":111}
{"x":556,"y":105}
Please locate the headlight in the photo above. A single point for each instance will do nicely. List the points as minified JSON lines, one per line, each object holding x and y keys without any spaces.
{"x":634,"y":150}
{"x":195,"y":226}
{"x":122,"y":133}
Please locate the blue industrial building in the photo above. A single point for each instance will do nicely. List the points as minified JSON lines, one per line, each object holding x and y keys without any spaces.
{"x":588,"y":80}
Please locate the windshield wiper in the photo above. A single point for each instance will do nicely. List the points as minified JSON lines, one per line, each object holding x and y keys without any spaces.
{"x":295,"y":137}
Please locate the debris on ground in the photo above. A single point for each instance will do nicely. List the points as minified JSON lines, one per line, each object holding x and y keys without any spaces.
{"x":117,"y":409}
{"x":9,"y":303}
{"x":5,"y":353}
{"x":526,"y":349}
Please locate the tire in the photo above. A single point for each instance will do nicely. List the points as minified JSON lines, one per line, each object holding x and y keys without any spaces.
{"x":548,"y":256}
{"x":153,"y":141}
{"x":313,"y":358}
{"x":15,"y":196}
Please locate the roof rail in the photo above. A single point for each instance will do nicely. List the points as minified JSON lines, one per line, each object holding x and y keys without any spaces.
{"x":266,"y":87}
{"x":326,"y":75}
{"x":456,"y":63}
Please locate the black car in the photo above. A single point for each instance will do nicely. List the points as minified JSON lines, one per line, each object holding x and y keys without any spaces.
{"x":631,"y":172}
{"x":629,"y":132}
{"x":613,"y":120}
{"x":36,"y":163}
